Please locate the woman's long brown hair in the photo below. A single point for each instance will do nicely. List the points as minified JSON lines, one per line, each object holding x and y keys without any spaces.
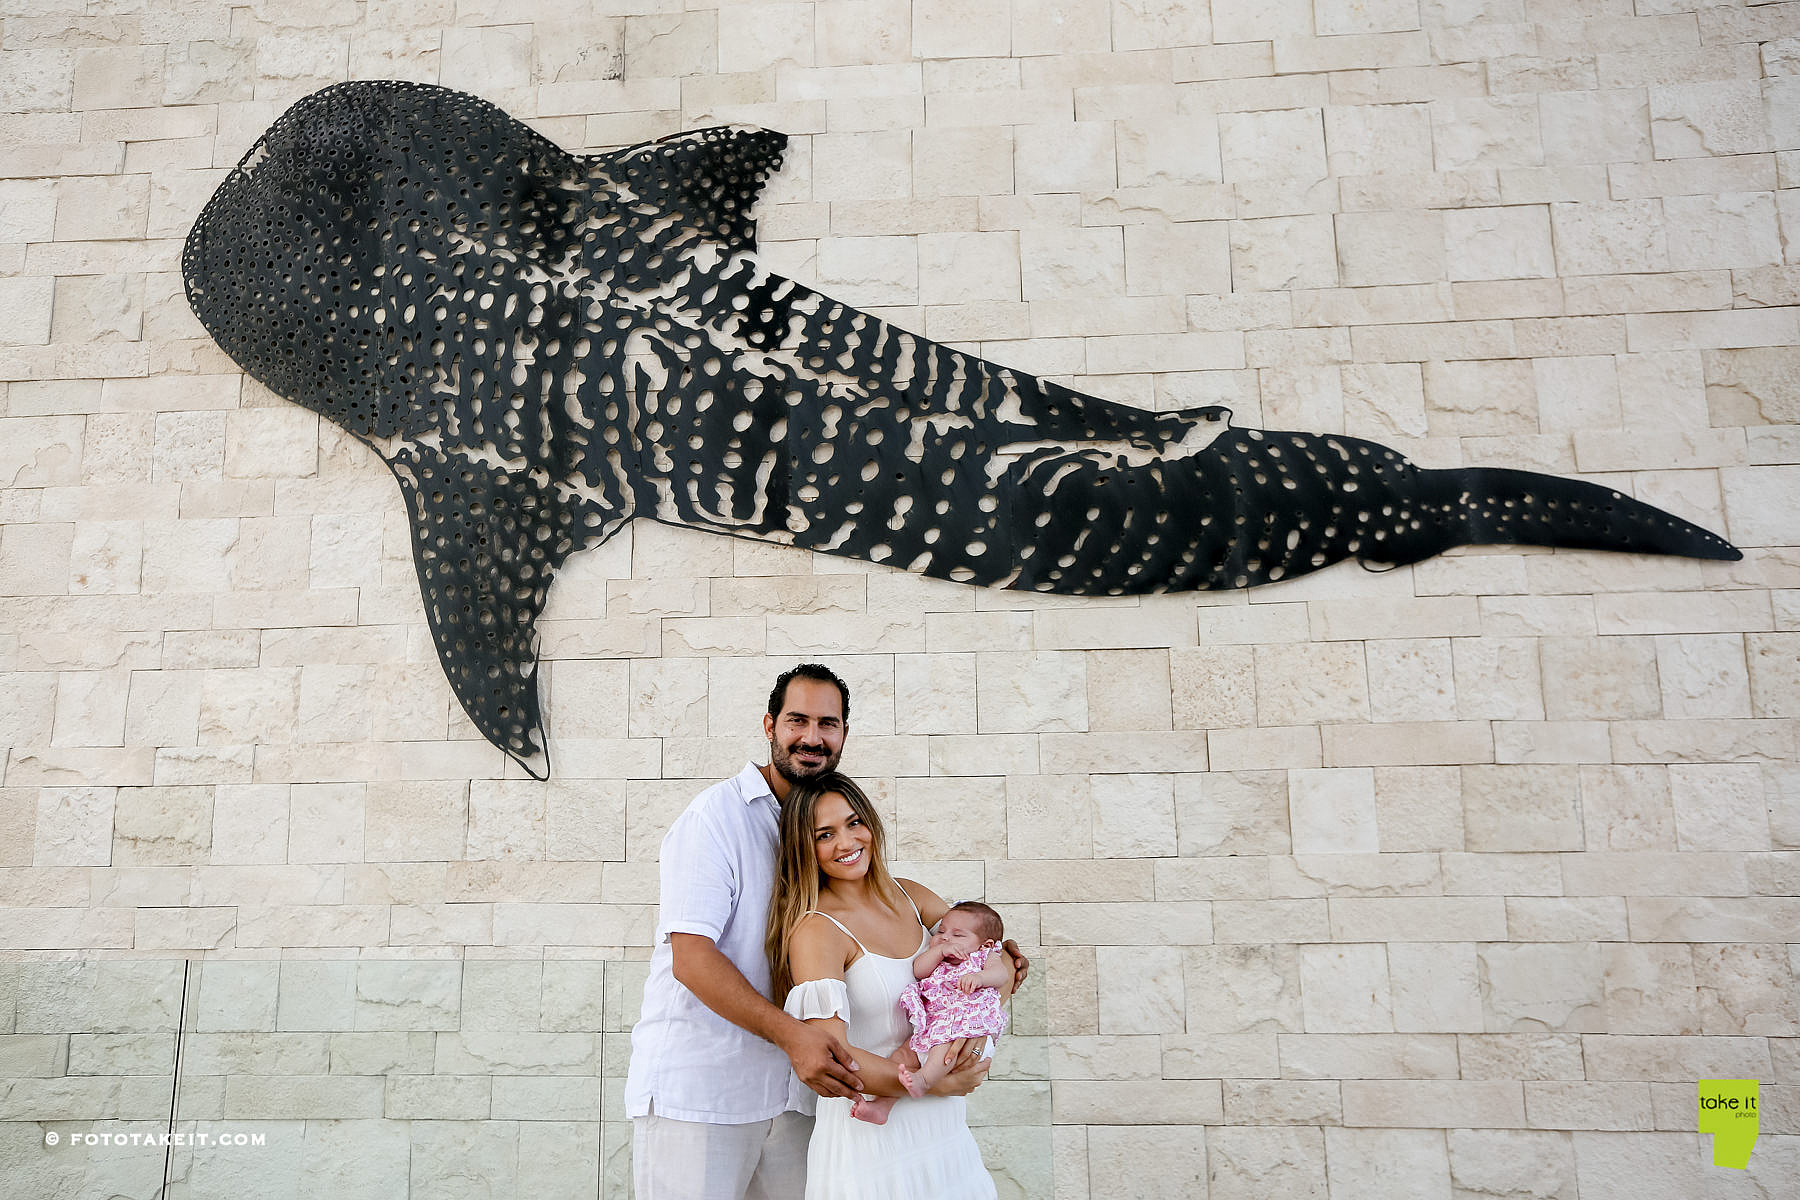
{"x":797,"y":873}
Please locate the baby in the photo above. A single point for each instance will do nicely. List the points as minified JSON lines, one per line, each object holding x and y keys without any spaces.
{"x":960,"y":984}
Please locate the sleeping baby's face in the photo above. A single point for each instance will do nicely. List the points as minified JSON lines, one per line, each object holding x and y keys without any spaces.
{"x":957,"y":935}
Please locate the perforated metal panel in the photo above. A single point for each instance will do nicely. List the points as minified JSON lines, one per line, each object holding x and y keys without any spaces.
{"x":542,"y":346}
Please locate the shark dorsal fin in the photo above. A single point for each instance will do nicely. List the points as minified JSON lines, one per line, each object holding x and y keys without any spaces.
{"x":710,"y":178}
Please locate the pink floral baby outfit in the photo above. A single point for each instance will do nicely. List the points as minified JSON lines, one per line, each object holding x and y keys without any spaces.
{"x":940,"y":1012}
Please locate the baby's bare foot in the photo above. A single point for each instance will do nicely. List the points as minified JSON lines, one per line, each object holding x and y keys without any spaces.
{"x":873,"y":1109}
{"x":911,"y":1083}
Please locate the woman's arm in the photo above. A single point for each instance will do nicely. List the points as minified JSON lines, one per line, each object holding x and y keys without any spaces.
{"x":997,"y":974}
{"x":820,"y":950}
{"x":931,"y":907}
{"x":932,"y":910}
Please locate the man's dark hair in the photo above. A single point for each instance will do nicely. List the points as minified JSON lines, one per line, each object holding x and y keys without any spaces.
{"x":815,"y":671}
{"x":987,"y":921}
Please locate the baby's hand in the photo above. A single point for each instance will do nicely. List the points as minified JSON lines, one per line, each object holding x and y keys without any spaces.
{"x":967,"y":984}
{"x":953,"y":955}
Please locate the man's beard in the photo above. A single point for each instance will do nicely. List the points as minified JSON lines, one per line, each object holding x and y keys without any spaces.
{"x":783,"y":762}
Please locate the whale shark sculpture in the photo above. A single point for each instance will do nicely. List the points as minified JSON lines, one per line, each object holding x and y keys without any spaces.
{"x":542,"y":346}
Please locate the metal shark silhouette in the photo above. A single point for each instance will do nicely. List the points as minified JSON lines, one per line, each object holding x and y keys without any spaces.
{"x":542,"y":346}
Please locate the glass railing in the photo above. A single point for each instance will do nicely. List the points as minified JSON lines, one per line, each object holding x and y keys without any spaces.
{"x":222,"y":1078}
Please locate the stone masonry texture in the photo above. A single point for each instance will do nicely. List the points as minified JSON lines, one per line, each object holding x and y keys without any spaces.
{"x":1446,"y":883}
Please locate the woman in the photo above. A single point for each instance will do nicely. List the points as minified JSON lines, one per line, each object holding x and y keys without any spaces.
{"x":842,"y":936}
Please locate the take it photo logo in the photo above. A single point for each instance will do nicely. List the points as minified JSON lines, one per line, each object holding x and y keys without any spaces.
{"x":1728,"y":1112}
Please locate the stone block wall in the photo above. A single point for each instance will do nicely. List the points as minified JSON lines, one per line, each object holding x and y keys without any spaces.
{"x":1447,"y":882}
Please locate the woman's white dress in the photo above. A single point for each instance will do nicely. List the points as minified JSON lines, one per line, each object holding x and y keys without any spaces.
{"x":925,"y":1151}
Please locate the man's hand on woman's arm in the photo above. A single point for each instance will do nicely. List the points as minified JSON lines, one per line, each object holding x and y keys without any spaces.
{"x":821,"y":1059}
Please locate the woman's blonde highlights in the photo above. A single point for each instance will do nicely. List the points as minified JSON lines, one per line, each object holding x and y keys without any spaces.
{"x":798,"y":878}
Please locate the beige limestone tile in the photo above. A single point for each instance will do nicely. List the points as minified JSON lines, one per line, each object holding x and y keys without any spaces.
{"x":1608,"y":677}
{"x":1520,"y":1055}
{"x":1390,"y":248}
{"x":1774,"y":660}
{"x":1031,"y":693}
{"x":1128,"y":690}
{"x":1233,"y":812}
{"x":1275,"y":143}
{"x":1350,"y":874}
{"x":1165,"y":149}
{"x":324,"y":821}
{"x":1364,"y":139}
{"x":1434,"y":1103}
{"x":1709,"y":919}
{"x":1261,"y":922}
{"x":1283,"y":252}
{"x":1418,"y":808}
{"x":1298,"y":685}
{"x":1729,"y":229}
{"x":1556,"y":919}
{"x":948,"y":818}
{"x":1367,"y":1056}
{"x":415,"y":821}
{"x":316,"y":995}
{"x":1220,"y":1056}
{"x":1497,"y":678}
{"x":1332,"y":810}
{"x":1346,"y":620}
{"x":1703,"y":675}
{"x":1436,"y":987}
{"x":237,"y":997}
{"x":1048,"y":817}
{"x":1157,"y":1162}
{"x":1364,"y":1164}
{"x":1712,"y":118}
{"x":1719,"y":806}
{"x":1134,"y":816}
{"x":1140,"y":989}
{"x":1520,"y":807}
{"x":1053,"y":880}
{"x":1163,"y":923}
{"x":1418,"y":918}
{"x":1281,"y":1102}
{"x":1746,"y":990}
{"x":1675,"y":1059}
{"x":1344,"y":988}
{"x":1407,"y":743}
{"x":1215,"y":878}
{"x":162,"y":826}
{"x":1648,"y":989}
{"x":405,"y":996}
{"x":1606,"y":237}
{"x":1410,"y":679}
{"x":1585,"y":1105}
{"x":1243,"y":989}
{"x":1076,"y":157}
{"x":74,"y":826}
{"x":1257,"y":1162}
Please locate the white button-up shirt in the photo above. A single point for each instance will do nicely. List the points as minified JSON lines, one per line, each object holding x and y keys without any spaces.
{"x":718,"y":873}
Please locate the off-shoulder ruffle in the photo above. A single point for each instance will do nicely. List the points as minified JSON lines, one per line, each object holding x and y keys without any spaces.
{"x":818,"y":998}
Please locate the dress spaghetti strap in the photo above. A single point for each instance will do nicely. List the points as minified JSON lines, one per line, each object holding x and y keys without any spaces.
{"x":917,"y":915}
{"x":812,"y":912}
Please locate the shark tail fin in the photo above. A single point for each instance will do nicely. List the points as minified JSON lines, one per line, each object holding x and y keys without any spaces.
{"x":487,"y":543}
{"x":1489,"y":506}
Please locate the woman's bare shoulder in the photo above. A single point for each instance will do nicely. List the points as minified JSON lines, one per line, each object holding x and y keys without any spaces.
{"x":931,"y":907}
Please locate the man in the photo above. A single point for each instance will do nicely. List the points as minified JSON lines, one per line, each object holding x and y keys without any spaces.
{"x":715,"y":1111}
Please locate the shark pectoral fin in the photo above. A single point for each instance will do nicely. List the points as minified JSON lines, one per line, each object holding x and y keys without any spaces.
{"x":486,"y":543}
{"x":710,"y":178}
